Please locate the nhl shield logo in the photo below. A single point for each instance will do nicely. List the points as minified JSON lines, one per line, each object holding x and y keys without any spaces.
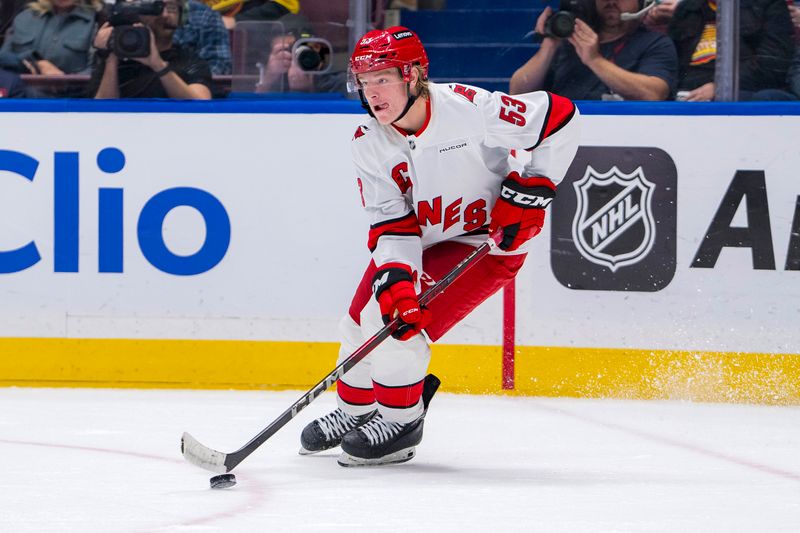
{"x":614,"y":224}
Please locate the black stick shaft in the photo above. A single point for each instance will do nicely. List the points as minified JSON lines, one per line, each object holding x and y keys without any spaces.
{"x":234,"y":458}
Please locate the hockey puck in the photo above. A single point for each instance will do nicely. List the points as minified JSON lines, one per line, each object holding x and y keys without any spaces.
{"x":223,"y":481}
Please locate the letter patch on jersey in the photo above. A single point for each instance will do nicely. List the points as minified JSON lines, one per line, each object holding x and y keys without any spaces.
{"x":466,"y":92}
{"x":360,"y":132}
{"x":401,"y":177}
{"x":473,"y":215}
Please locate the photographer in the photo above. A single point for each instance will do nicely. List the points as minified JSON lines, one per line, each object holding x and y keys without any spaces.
{"x":611,"y":59}
{"x":282,"y":71}
{"x":165,"y":71}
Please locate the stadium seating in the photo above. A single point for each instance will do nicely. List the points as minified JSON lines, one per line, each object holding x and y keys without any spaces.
{"x":477,"y":42}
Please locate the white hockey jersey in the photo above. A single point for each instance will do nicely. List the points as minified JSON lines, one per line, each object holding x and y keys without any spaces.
{"x":442,"y":182}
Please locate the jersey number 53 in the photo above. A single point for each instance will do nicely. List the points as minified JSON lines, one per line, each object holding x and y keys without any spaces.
{"x":511,"y":110}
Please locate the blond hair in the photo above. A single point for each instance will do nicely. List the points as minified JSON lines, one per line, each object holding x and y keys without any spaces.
{"x":43,"y":7}
{"x":421,"y":87}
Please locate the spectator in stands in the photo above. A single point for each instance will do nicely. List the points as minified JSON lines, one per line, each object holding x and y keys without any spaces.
{"x":658,"y":17}
{"x":765,"y":49}
{"x":11,"y":86}
{"x":281,"y":72}
{"x":267,"y":9}
{"x":794,"y":12}
{"x":53,"y":37}
{"x":170,"y":71}
{"x":794,"y":69}
{"x":794,"y":74}
{"x":8,"y":10}
{"x":205,"y":33}
{"x":256,"y":10}
{"x":608,"y":59}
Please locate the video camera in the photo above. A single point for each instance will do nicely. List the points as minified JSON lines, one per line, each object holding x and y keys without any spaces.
{"x":561,"y":24}
{"x":128,"y":40}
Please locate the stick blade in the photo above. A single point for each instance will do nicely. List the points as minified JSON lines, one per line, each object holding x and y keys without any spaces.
{"x":202,"y":456}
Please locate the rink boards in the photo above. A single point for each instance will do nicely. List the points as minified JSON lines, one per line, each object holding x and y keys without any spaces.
{"x":217,"y":246}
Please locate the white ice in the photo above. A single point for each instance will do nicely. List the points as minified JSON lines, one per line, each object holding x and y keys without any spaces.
{"x":109,"y":461}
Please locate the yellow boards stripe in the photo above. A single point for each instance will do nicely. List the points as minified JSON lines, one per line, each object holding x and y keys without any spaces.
{"x":272,"y":365}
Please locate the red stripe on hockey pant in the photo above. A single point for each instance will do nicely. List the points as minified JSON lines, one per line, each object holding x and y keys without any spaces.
{"x":400,"y":397}
{"x":488,"y":276}
{"x":354,"y":395}
{"x":406,"y":225}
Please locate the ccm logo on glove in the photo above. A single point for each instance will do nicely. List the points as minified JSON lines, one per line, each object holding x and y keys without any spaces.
{"x":393,"y":286}
{"x":526,"y":200}
{"x":519,"y":209}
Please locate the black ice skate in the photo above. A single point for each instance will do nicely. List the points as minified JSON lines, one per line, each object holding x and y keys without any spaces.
{"x":326,"y":432}
{"x":380,"y":442}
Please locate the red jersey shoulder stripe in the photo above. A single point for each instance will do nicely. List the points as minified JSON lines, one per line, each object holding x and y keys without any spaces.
{"x":405,"y":225}
{"x":560,"y":111}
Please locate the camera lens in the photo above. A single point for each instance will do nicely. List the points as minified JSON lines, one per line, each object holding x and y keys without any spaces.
{"x":130,"y":40}
{"x":307,"y":57}
{"x":561,"y":24}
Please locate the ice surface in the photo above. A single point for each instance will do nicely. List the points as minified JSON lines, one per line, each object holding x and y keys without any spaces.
{"x":109,"y":460}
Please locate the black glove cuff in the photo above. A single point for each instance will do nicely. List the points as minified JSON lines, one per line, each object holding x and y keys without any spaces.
{"x":535,"y":197}
{"x":386,"y":277}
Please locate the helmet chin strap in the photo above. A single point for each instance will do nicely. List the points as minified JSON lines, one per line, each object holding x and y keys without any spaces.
{"x":411,"y":99}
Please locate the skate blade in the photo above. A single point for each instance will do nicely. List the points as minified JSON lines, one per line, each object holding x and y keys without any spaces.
{"x":402,"y":456}
{"x":303,"y":451}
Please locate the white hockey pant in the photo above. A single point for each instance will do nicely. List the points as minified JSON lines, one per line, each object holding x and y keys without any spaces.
{"x":394,"y":370}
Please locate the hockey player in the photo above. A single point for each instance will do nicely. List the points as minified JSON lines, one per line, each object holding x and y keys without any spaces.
{"x":435,"y":174}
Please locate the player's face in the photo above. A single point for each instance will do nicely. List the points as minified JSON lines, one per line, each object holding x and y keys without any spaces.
{"x":386,"y":93}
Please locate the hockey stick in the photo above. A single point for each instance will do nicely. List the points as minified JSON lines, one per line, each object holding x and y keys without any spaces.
{"x":219,"y":462}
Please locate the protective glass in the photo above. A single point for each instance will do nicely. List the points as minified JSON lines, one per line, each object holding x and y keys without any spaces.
{"x":386,"y":78}
{"x":270,"y":58}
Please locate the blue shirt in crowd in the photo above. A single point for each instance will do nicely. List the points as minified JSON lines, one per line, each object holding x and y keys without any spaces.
{"x":642,"y":52}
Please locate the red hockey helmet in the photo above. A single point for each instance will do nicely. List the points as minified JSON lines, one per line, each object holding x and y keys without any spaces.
{"x":393,"y":47}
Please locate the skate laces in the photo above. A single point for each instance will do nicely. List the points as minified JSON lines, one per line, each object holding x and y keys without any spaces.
{"x":336,"y":423}
{"x":379,"y":430}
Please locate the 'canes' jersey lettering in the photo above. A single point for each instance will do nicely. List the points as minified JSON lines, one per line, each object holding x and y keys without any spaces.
{"x":441,"y":182}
